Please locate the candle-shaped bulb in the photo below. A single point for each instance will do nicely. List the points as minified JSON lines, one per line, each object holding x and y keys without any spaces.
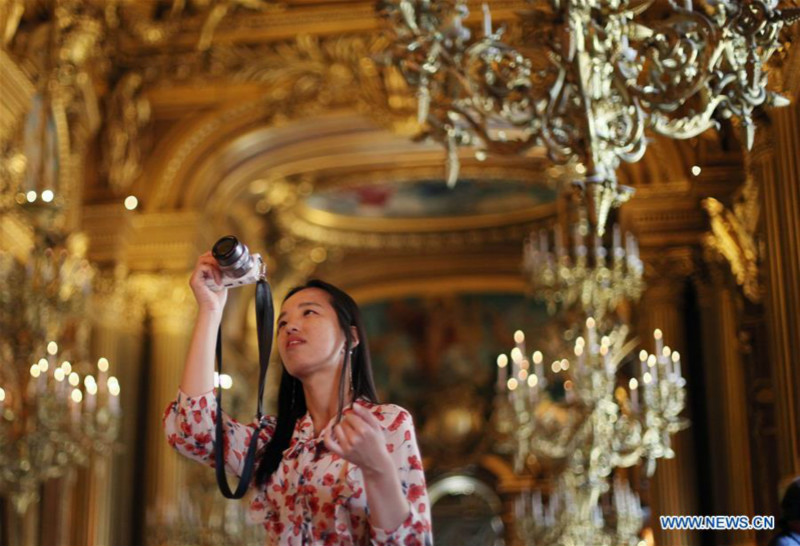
{"x":502,"y":361}
{"x":643,"y":355}
{"x":516,"y":355}
{"x":633,"y":384}
{"x":666,"y":351}
{"x":102,"y":364}
{"x":657,"y":334}
{"x":519,"y":336}
{"x":537,"y":357}
{"x":590,"y":322}
{"x":487,"y":20}
{"x":76,"y":396}
{"x":533,"y":380}
{"x":512,"y":384}
{"x":52,"y":348}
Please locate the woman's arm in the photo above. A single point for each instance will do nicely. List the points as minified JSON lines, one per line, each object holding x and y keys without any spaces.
{"x":198,"y":371}
{"x":394,"y":480}
{"x":189,"y":422}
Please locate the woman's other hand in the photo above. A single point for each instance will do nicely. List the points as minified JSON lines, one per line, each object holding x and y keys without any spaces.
{"x":207,"y":269}
{"x":359,"y":439}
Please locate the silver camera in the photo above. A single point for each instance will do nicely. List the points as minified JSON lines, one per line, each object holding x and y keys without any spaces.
{"x":238,"y":266}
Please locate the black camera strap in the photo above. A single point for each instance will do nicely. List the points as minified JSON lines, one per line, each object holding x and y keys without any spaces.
{"x":265,"y":320}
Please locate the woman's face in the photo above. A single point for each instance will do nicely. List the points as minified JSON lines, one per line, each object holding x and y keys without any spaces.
{"x":309,"y":336}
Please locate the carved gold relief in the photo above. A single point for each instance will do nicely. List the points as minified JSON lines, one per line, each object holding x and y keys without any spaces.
{"x":731,"y":239}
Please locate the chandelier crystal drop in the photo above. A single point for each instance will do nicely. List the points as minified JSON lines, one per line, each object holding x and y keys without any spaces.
{"x":593,"y":77}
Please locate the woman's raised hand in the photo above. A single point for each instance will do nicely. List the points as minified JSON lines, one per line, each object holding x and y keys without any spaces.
{"x":207,"y":299}
{"x":358,"y":438}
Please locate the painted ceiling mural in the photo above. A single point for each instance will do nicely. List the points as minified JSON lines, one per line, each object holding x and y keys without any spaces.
{"x":430,"y":198}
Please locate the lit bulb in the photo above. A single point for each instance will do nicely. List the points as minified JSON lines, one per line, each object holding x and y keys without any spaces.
{"x":647,"y":378}
{"x":590,"y":323}
{"x":67,"y":367}
{"x":35,"y":370}
{"x":102,"y":365}
{"x":58,"y":374}
{"x":523,"y":374}
{"x":676,"y":356}
{"x":516,"y":355}
{"x":666,"y":351}
{"x":502,"y":361}
{"x":578,"y":350}
{"x":564,"y":364}
{"x":537,"y":357}
{"x":52,"y":348}
{"x":633,"y":384}
{"x":44,"y":365}
{"x":519,"y":337}
{"x":696,"y":170}
{"x":2,"y":395}
{"x":225,"y":381}
{"x":74,"y":379}
{"x":113,"y":390}
{"x":47,"y":196}
{"x":642,"y":355}
{"x":580,"y":341}
{"x":76,"y":396}
{"x":512,"y":384}
{"x":555,"y":366}
{"x":657,"y":334}
{"x":131,"y":202}
{"x":533,"y":380}
{"x":651,"y":360}
{"x":31,"y":196}
{"x":91,"y":388}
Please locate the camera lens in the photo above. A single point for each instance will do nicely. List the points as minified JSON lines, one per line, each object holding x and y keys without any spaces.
{"x":227,"y":250}
{"x":232,"y":256}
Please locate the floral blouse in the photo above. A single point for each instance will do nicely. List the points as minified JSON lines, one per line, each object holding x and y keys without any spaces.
{"x":314,"y":498}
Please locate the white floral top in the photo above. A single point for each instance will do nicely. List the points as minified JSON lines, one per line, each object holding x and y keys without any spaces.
{"x":314,"y":498}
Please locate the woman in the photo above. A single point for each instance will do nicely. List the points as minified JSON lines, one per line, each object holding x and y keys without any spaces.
{"x":334,"y":467}
{"x":789,"y":524}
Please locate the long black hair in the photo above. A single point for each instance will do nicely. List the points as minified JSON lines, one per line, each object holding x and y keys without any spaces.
{"x":291,"y":397}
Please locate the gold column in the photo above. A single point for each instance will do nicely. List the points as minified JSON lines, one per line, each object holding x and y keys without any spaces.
{"x":119,"y":320}
{"x":172,"y":310}
{"x":779,"y":173}
{"x":674,"y":485}
{"x":727,"y":402}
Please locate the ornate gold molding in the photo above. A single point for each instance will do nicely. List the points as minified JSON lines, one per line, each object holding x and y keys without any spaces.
{"x":731,"y":240}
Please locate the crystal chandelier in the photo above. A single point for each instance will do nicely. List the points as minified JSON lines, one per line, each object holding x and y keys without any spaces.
{"x":594,"y":274}
{"x":56,"y":407}
{"x":606,"y":419}
{"x":592,"y":78}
